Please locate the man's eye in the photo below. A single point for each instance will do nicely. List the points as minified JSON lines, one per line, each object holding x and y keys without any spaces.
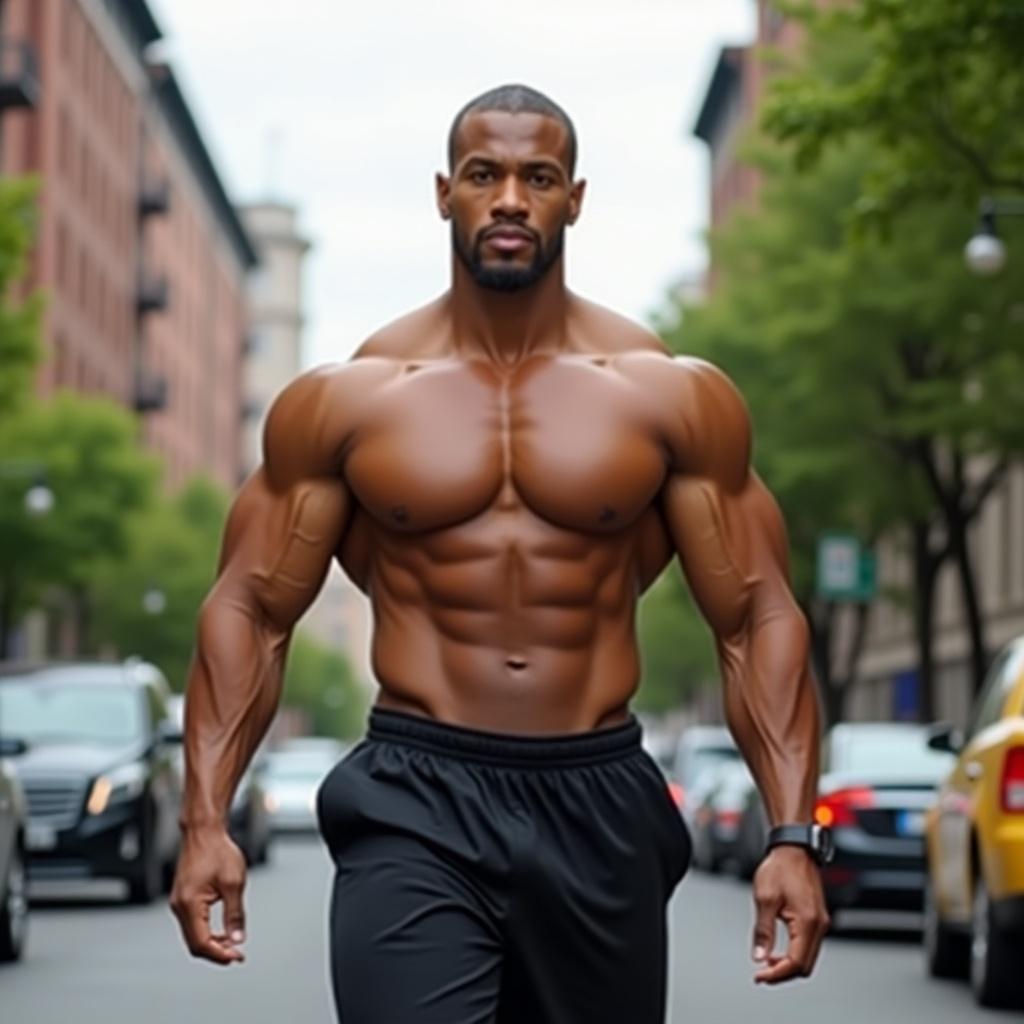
{"x":481,"y":177}
{"x":542,"y":180}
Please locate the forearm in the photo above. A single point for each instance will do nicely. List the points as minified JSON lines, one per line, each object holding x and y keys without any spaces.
{"x":772,"y":709}
{"x":233,"y":690}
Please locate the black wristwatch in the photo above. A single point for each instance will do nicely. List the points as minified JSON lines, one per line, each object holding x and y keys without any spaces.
{"x":816,"y":839}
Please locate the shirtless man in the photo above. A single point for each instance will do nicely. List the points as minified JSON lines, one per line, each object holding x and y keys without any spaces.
{"x":504,"y":472}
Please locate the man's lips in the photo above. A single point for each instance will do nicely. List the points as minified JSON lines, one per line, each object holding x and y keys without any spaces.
{"x":507,"y":239}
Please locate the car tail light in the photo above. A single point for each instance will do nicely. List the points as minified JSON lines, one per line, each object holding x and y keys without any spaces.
{"x":836,"y":810}
{"x":678,"y":794}
{"x":727,"y":817}
{"x":1012,"y":786}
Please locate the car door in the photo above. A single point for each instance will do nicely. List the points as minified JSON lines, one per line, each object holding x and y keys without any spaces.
{"x":972,"y":782}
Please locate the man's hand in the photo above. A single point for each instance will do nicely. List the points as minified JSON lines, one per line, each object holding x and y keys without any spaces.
{"x":211,"y":869}
{"x":788,"y":886}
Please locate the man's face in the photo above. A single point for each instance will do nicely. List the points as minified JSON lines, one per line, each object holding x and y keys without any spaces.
{"x":509,"y":197}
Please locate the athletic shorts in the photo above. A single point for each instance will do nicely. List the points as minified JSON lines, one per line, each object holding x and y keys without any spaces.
{"x":484,"y":878}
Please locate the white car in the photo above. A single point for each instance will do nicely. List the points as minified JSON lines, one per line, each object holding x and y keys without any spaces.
{"x":291,"y":776}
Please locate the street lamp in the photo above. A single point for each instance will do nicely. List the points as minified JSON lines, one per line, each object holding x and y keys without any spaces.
{"x":985,"y":252}
{"x":39,"y":499}
{"x":154,"y":601}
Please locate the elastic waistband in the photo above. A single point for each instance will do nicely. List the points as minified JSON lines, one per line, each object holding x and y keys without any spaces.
{"x":566,"y":750}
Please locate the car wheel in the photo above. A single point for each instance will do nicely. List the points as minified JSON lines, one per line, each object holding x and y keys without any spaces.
{"x":947,"y":952}
{"x":14,"y":909}
{"x":995,"y":958}
{"x":146,"y":884}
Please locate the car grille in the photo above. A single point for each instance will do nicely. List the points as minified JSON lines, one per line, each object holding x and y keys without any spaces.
{"x":56,"y":802}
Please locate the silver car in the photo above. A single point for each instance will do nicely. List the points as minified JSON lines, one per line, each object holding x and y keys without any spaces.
{"x":13,"y":876}
{"x":291,"y":776}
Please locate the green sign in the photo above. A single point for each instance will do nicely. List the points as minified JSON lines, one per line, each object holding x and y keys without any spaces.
{"x":845,"y":570}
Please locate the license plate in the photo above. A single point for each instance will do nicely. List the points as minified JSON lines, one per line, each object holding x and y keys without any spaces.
{"x":910,"y":823}
{"x":40,"y":837}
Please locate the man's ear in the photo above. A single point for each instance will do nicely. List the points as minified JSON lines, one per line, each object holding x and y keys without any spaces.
{"x":576,"y":199}
{"x":443,"y":190}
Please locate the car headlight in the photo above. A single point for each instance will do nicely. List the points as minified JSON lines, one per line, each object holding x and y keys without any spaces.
{"x":124,"y":783}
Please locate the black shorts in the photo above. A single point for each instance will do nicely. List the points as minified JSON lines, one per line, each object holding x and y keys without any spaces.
{"x":493,"y":879}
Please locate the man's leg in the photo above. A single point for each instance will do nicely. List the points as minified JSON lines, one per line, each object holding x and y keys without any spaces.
{"x":411,"y":940}
{"x":586,"y":936}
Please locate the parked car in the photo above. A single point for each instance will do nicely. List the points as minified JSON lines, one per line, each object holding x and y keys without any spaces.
{"x":102,"y":792}
{"x":292,"y":774}
{"x":974,"y":906}
{"x":752,"y":833}
{"x":248,"y":818}
{"x":13,"y":875}
{"x":716,"y":822}
{"x":699,"y":749}
{"x":878,"y":781}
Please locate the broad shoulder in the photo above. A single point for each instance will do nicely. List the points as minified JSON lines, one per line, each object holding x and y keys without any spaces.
{"x":312,"y":418}
{"x":704,"y":419}
{"x":598,"y":328}
{"x":419,"y":334}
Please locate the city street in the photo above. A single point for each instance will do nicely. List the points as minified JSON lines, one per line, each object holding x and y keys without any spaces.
{"x":97,"y":962}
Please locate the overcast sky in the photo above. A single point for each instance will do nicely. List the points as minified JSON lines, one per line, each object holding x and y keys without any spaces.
{"x":359,"y":98}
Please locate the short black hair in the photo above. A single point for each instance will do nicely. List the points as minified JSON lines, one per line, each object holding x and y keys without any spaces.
{"x":514,"y":99}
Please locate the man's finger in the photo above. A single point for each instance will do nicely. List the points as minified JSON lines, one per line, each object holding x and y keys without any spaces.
{"x":780,"y":969}
{"x":194,"y":916}
{"x":234,"y":912}
{"x":764,"y":929}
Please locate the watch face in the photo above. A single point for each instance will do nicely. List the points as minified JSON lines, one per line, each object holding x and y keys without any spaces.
{"x":821,"y":838}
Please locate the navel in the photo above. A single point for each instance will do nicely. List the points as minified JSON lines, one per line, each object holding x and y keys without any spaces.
{"x":516,"y":663}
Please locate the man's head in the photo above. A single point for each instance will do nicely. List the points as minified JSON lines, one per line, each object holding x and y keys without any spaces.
{"x":510,"y":191}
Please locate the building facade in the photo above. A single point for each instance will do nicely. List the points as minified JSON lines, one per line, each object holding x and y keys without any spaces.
{"x":887,"y":678}
{"x":140,"y":251}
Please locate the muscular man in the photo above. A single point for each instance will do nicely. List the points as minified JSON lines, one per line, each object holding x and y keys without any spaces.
{"x":504,"y":472}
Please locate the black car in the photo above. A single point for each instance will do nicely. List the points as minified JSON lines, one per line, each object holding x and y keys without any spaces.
{"x":878,"y":781}
{"x":13,"y":886}
{"x":103,"y":796}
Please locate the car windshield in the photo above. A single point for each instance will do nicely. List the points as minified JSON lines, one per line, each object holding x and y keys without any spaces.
{"x":880,"y":751}
{"x":710,"y":757}
{"x":70,"y":713}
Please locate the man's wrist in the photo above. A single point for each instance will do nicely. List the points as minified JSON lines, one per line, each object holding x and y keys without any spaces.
{"x":815,"y":840}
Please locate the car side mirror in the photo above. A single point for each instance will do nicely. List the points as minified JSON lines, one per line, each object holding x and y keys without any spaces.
{"x":168,"y":732}
{"x":946,"y":738}
{"x":12,"y":746}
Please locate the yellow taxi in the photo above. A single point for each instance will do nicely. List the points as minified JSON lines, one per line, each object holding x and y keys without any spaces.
{"x":974,"y":897}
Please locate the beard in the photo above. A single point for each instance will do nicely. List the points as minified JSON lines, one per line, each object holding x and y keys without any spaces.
{"x":511,"y":278}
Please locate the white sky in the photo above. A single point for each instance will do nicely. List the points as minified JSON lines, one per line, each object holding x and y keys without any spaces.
{"x":360,"y":98}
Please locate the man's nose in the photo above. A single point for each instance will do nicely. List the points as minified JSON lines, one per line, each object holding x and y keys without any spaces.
{"x":510,"y":200}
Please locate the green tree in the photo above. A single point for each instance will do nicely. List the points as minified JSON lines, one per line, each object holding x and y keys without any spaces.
{"x":320,"y":682}
{"x":20,"y":350}
{"x":98,"y":476}
{"x":147,"y":602}
{"x":938,"y":93}
{"x":862,"y":360}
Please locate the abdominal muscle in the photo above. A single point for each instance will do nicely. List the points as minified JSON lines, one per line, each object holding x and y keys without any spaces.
{"x":526,"y":631}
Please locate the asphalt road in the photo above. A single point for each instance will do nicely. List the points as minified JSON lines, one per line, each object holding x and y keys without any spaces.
{"x":94,"y":961}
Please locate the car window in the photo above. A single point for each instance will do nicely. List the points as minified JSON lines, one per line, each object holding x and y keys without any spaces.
{"x":999,"y":682}
{"x":883,"y":750}
{"x":71,"y":713}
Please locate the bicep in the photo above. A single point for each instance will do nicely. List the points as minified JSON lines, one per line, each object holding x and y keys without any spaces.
{"x":278,"y":544}
{"x":732,"y":546}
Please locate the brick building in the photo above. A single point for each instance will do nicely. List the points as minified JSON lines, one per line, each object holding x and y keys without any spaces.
{"x":140,"y":250}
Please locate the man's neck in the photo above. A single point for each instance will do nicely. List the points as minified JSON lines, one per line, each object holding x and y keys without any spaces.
{"x":506,"y":327}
